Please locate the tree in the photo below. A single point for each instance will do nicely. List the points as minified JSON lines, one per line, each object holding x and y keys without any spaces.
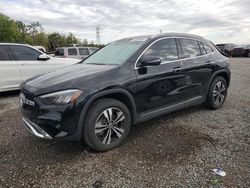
{"x":8,"y":29}
{"x":24,"y":36}
{"x":56,"y":40}
{"x":85,"y":42}
{"x":41,"y":39}
{"x":33,"y":34}
{"x":71,"y":39}
{"x":33,"y":29}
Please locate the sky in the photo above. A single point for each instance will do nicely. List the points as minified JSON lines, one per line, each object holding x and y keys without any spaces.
{"x":221,"y":21}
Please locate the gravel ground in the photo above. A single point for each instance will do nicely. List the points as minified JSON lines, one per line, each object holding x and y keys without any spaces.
{"x":176,"y":150}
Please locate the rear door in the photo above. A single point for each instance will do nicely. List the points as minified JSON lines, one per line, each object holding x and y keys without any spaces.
{"x":10,"y":76}
{"x":196,"y":65}
{"x":28,"y":60}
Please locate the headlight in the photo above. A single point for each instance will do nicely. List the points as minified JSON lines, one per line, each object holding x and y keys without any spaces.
{"x":61,"y":97}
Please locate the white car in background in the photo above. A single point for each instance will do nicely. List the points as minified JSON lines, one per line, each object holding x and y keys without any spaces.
{"x":76,"y":52}
{"x":18,"y":62}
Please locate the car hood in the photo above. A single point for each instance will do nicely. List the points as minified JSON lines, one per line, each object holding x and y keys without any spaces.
{"x":65,"y":78}
{"x":65,"y":60}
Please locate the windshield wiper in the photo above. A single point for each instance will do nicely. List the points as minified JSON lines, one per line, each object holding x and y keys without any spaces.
{"x":95,"y":63}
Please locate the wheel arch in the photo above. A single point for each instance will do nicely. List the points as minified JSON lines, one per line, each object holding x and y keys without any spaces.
{"x":223,"y":73}
{"x":120,"y":94}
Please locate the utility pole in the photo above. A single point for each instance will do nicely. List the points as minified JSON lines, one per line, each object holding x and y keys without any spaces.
{"x":98,"y":40}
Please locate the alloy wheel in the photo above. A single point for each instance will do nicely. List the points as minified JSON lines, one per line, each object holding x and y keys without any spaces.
{"x":219,"y":92}
{"x":110,"y":125}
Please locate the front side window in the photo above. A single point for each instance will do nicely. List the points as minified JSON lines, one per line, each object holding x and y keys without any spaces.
{"x":116,"y":52}
{"x":165,"y":49}
{"x":24,"y":53}
{"x":190,"y":48}
{"x":3,"y":53}
{"x":72,"y":51}
{"x":83,"y":51}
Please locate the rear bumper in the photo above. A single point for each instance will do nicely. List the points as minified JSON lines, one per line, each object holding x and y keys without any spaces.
{"x":35,"y":129}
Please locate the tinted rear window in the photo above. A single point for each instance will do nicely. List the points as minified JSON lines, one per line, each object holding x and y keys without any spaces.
{"x":92,"y":50}
{"x":221,"y":46}
{"x":83,"y":51}
{"x":3,"y":53}
{"x":207,"y":48}
{"x":203,"y":51}
{"x":72,"y":51}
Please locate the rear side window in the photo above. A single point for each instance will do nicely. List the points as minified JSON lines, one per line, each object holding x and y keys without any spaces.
{"x":72,"y":51}
{"x":189,"y":48}
{"x":203,"y":51}
{"x":165,"y":49}
{"x":207,"y":48}
{"x":24,"y":53}
{"x":59,"y":52}
{"x":92,"y":50}
{"x":83,"y":51}
{"x":3,"y":53}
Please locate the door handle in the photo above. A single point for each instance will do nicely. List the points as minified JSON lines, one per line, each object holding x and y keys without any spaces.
{"x":209,"y":62}
{"x":177,"y":69}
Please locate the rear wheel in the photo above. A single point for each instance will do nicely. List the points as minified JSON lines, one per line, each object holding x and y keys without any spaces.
{"x":107,"y":124}
{"x":217,"y":93}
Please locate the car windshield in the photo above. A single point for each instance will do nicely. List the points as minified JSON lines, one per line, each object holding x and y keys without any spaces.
{"x":115,"y":53}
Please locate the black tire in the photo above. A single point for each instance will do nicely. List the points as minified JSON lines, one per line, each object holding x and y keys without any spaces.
{"x":211,"y":101}
{"x":96,"y":113}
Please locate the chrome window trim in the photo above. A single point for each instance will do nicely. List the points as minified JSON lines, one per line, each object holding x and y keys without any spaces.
{"x":135,"y":66}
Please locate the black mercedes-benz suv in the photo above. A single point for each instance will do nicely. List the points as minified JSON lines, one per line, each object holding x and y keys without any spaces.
{"x":124,"y":83}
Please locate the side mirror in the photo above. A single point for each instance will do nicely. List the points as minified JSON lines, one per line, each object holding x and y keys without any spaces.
{"x":43,"y":57}
{"x":52,"y":55}
{"x":150,"y":61}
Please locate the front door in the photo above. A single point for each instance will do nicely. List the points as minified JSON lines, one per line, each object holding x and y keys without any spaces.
{"x":30,"y":65}
{"x":160,"y":86}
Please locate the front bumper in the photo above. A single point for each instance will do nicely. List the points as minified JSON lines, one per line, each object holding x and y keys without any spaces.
{"x":50,"y":121}
{"x":35,"y":129}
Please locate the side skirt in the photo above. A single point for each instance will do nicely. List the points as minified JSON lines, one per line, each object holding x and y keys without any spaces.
{"x":167,"y":109}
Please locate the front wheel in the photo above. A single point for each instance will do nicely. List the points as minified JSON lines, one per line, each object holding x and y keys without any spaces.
{"x":107,"y":124}
{"x":217,"y":93}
